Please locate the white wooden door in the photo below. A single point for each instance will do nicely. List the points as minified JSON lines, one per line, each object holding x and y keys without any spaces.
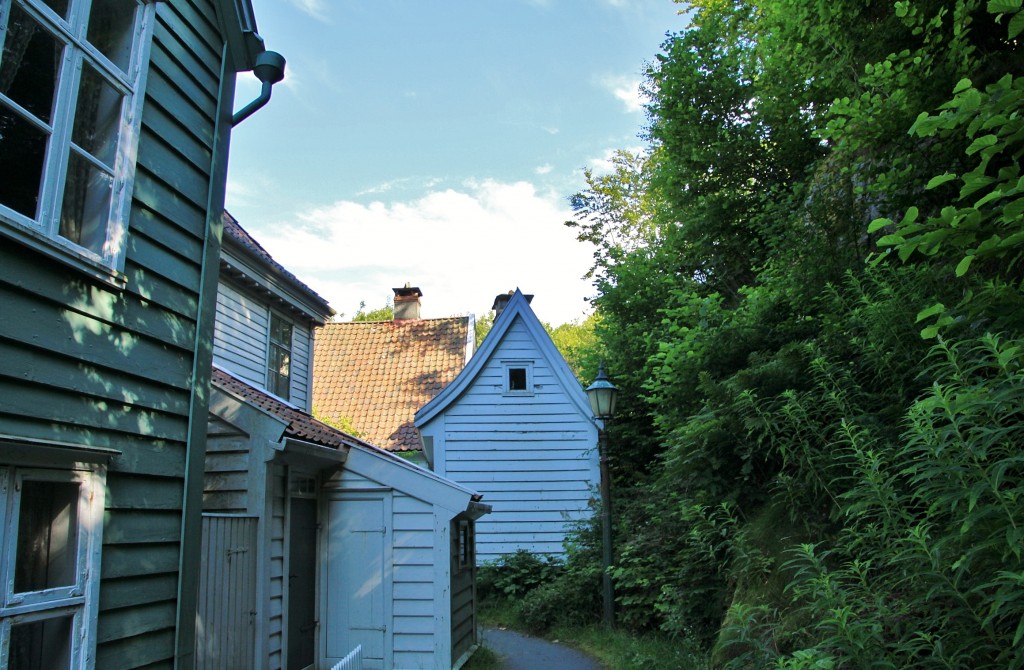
{"x":358,"y":570}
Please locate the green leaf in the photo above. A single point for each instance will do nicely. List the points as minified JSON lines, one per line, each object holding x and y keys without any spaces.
{"x":983,"y":142}
{"x":1013,"y":210}
{"x":929,"y":333}
{"x":890,"y":240}
{"x":964,"y":265}
{"x":1016,"y":25}
{"x":973,"y":183}
{"x":940,"y":180}
{"x":909,"y":217}
{"x":962,"y":86}
{"x":878,"y":224}
{"x":937,"y":308}
{"x":1003,"y":6}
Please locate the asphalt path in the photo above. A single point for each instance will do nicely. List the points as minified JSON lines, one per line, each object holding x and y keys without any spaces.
{"x":520,"y":652}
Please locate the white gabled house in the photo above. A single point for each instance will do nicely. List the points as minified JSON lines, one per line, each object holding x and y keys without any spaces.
{"x":516,"y":426}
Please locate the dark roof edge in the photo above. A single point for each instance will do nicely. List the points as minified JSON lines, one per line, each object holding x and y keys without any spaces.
{"x":240,"y":243}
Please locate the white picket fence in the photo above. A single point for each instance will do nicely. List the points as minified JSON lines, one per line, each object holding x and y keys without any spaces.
{"x":354,"y":660}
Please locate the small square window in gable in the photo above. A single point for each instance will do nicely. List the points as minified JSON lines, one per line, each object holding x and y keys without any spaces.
{"x":518,"y":378}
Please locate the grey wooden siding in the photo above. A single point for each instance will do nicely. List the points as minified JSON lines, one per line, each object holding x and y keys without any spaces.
{"x":240,"y":342}
{"x":532,"y":457}
{"x":234,"y":483}
{"x":227,"y":480}
{"x":85,"y":363}
{"x":240,"y":335}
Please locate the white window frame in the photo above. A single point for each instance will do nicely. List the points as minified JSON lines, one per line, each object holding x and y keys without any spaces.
{"x":507,"y":367}
{"x":42,"y":234}
{"x":81,"y":599}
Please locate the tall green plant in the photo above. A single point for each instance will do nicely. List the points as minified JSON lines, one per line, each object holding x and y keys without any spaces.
{"x":929,"y":570}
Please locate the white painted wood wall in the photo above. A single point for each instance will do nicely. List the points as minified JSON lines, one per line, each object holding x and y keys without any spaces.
{"x":417,"y":550}
{"x":240,"y":343}
{"x":533,"y":457}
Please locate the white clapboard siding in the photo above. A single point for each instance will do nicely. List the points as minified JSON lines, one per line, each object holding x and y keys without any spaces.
{"x":277,"y":585}
{"x":532,"y":455}
{"x":240,"y":335}
{"x":419,"y":508}
{"x":301,"y":363}
{"x":540,"y":438}
{"x":240,"y":343}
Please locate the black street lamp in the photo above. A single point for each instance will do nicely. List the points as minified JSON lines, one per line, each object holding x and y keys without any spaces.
{"x":602,"y":395}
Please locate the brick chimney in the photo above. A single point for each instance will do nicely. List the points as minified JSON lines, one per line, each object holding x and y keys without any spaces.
{"x":501,"y":302}
{"x":407,"y":303}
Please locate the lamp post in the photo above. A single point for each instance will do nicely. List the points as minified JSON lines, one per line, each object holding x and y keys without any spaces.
{"x":602,"y":395}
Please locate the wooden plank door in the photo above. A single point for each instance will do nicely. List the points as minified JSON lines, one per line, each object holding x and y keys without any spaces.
{"x":358,"y":570}
{"x":226,"y":621}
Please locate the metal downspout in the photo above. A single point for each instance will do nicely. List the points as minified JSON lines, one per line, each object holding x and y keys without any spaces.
{"x":199,"y":406}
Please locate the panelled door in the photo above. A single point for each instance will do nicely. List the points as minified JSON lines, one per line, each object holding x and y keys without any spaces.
{"x":357,"y":592}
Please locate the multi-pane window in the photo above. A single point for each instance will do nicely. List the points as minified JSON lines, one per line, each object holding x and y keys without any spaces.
{"x":70,"y":72}
{"x":52,"y":522}
{"x":279,"y":357}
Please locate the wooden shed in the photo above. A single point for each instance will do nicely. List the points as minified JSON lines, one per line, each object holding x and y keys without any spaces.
{"x":398,"y":571}
{"x":116,"y":118}
{"x":318,"y":542}
{"x":516,"y":426}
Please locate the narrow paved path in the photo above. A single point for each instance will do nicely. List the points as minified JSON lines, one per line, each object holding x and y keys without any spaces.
{"x":520,"y":652}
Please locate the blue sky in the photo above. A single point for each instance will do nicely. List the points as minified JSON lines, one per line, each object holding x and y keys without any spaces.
{"x":436,"y":142}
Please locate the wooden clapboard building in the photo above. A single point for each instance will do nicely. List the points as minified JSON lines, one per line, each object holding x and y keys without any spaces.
{"x":516,"y":426}
{"x":115,"y":117}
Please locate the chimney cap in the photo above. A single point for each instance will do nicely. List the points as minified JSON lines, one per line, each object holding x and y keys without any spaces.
{"x":502,"y":299}
{"x":408,"y":291}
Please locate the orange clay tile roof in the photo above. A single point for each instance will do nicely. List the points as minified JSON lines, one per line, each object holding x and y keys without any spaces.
{"x":301,"y":426}
{"x":376,"y":374}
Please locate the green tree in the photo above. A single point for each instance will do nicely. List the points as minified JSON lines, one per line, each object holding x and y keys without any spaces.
{"x":767,"y":370}
{"x":385,"y":313}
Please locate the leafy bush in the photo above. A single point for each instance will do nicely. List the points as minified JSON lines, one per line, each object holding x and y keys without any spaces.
{"x":514,"y":575}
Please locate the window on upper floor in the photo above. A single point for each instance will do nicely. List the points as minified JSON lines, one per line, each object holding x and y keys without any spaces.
{"x":70,"y":101}
{"x":52,"y":524}
{"x":518,"y":377}
{"x":279,"y":357}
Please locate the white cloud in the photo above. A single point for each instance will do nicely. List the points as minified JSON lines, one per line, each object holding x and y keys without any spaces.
{"x":314,"y":8}
{"x":603,"y":164}
{"x":460,"y":246}
{"x":544,"y":169}
{"x":625,"y":89}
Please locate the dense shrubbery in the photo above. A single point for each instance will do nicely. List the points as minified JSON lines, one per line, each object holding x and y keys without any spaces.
{"x":819,"y":336}
{"x":543,"y":592}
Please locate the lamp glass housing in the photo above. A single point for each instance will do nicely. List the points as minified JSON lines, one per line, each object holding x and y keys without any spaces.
{"x":602,"y":394}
